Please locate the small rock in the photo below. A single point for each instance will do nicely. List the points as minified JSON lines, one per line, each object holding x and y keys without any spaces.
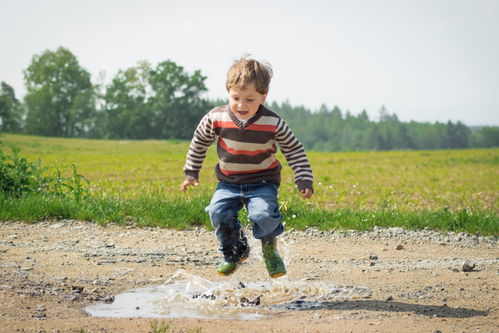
{"x":396,"y":231}
{"x":27,"y":268}
{"x":467,"y":267}
{"x":399,"y":247}
{"x":156,"y":279}
{"x":39,"y":312}
{"x":389,"y":298}
{"x":60,"y":278}
{"x":76,"y":289}
{"x":40,"y":315}
{"x":373,"y":257}
{"x":108,"y":299}
{"x":246,"y":302}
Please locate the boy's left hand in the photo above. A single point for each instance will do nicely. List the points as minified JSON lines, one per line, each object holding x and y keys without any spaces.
{"x":306,"y":193}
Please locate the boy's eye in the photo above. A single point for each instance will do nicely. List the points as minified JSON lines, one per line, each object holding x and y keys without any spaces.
{"x":250,"y":100}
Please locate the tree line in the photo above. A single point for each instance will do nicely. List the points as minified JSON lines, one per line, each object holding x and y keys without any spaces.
{"x":166,"y":102}
{"x":333,"y":130}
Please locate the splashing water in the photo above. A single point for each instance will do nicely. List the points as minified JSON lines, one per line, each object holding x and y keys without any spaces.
{"x":187,"y":295}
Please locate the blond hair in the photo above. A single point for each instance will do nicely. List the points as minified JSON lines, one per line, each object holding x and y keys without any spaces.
{"x":246,"y":71}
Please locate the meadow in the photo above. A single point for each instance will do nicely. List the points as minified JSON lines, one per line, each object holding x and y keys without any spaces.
{"x":138,"y":182}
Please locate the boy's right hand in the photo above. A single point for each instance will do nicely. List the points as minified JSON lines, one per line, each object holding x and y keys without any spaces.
{"x":187,"y":183}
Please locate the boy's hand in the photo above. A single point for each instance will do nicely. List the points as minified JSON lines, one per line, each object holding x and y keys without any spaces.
{"x":306,"y":193}
{"x":187,"y":183}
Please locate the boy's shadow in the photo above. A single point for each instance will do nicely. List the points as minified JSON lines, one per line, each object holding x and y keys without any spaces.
{"x":390,"y":306}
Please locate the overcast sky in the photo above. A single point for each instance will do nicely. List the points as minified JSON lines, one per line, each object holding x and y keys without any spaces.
{"x":425,"y":60}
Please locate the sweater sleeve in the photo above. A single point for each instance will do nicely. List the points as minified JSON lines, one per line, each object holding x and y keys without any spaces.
{"x":293,"y":151}
{"x":202,"y":139}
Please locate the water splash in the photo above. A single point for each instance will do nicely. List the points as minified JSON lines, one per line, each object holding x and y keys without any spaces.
{"x":186,"y":295}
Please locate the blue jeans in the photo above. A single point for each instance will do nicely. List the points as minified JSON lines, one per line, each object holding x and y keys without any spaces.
{"x":260,"y":200}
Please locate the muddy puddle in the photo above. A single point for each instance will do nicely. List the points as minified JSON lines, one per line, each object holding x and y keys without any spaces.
{"x":186,"y":295}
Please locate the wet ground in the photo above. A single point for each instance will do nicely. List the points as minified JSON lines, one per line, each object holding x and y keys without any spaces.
{"x":186,"y":295}
{"x":67,"y":276}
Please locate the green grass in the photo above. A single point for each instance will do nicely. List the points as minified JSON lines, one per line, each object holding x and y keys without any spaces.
{"x":184,"y":214}
{"x":162,"y":327}
{"x":139,"y":181}
{"x":177,"y":213}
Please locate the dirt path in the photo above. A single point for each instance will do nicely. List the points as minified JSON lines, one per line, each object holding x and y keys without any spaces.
{"x":49,"y":272}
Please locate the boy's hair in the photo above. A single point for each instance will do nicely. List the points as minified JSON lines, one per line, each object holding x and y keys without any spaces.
{"x":246,"y":71}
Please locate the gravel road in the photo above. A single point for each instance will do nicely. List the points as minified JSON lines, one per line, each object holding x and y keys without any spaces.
{"x":414,"y":281}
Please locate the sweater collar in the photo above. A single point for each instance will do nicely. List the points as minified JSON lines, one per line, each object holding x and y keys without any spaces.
{"x":250,"y":121}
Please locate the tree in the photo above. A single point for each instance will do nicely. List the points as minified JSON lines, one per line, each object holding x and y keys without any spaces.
{"x":126,"y":112}
{"x":10,"y":110}
{"x":457,"y":136}
{"x":177,"y":102}
{"x":162,"y":102}
{"x":487,"y":136}
{"x":60,"y":97}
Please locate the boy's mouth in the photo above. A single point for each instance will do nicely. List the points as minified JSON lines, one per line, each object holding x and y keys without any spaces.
{"x":243,"y":112}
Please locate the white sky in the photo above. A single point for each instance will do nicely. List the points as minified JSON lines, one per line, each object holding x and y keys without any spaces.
{"x":425,"y":60}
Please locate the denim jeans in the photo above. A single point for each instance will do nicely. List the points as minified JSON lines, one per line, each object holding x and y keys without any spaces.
{"x":260,"y":200}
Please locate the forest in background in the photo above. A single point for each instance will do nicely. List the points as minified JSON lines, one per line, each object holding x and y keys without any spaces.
{"x":166,"y":102}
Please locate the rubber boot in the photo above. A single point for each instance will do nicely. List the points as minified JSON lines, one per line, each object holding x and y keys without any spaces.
{"x":234,"y":256}
{"x":272,"y":259}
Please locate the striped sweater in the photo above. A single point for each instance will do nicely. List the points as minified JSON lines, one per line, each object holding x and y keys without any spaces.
{"x":246,"y":152}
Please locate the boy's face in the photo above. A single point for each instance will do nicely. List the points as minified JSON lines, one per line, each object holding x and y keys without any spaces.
{"x":244,"y":102}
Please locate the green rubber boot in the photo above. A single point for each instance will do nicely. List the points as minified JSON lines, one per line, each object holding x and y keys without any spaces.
{"x":229,"y":265}
{"x":226,"y":268}
{"x":273,"y":261}
{"x":234,"y":257}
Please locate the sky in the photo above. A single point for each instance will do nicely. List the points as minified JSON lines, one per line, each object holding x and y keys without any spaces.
{"x":424,"y":60}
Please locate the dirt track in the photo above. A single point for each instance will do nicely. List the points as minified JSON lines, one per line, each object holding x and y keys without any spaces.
{"x":51,"y":270}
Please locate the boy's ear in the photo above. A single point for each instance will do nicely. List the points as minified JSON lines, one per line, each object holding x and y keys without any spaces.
{"x":264,"y":98}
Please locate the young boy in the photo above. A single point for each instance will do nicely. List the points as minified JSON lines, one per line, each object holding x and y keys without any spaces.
{"x":248,"y":172}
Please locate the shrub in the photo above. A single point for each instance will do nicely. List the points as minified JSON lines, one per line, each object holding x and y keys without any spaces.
{"x":19,"y":176}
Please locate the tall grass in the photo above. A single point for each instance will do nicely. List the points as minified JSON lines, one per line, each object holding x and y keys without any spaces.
{"x":138,"y":182}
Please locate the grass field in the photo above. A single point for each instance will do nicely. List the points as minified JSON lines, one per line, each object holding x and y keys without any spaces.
{"x":139,"y":180}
